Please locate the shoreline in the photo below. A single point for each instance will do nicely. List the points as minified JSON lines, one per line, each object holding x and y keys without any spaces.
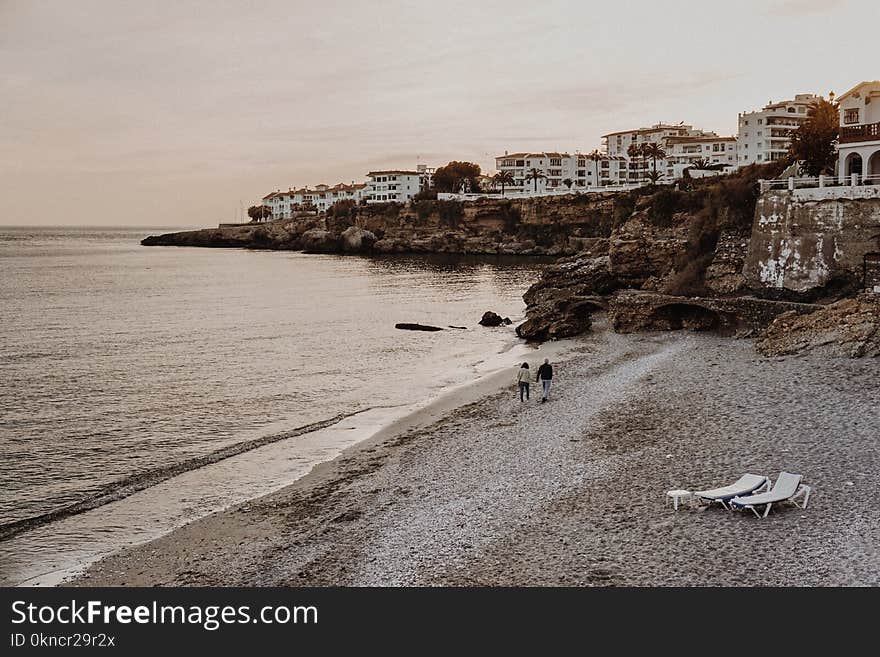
{"x":371,"y":425}
{"x":572,"y":492}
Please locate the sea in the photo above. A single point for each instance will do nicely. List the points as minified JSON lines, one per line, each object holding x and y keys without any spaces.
{"x":144,"y":387}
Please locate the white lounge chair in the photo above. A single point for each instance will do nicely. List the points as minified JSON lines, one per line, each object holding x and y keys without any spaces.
{"x":787,"y":489}
{"x":745,"y":485}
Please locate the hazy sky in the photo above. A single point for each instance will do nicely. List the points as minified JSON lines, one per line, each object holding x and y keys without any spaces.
{"x":172,"y":112}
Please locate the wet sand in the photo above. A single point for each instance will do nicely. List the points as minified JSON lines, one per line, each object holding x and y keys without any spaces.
{"x":572,"y":492}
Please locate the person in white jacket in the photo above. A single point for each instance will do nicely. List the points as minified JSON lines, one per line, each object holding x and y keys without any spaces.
{"x":523,"y":378}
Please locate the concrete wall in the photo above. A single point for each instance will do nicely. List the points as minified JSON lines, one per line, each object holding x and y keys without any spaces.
{"x":801,"y":245}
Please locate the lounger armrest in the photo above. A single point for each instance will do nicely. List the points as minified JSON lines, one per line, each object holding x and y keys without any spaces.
{"x":804,"y":490}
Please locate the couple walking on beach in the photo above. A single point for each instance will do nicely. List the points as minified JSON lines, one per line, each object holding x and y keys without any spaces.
{"x":544,"y":376}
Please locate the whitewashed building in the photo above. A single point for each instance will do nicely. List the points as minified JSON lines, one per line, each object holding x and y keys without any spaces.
{"x":680,"y":141}
{"x":396,"y":185}
{"x":859,"y":144}
{"x":285,"y":204}
{"x":555,"y":169}
{"x":684,"y":152}
{"x":765,"y":135}
{"x":618,"y":143}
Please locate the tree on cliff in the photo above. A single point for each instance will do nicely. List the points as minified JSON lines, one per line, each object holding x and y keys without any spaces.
{"x":596,"y":156}
{"x":636,"y":153}
{"x":259,"y":213}
{"x":534,"y":175}
{"x":503,"y":178}
{"x":814,"y":143}
{"x":451,"y":177}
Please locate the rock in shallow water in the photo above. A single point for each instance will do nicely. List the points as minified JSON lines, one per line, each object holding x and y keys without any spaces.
{"x":491,"y":319}
{"x":416,"y":327}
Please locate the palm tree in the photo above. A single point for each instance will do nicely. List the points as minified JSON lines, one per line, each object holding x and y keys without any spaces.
{"x":653,"y":176}
{"x":636,"y":152}
{"x":701,"y":163}
{"x":535,"y":175}
{"x":568,"y":182}
{"x":654,"y":151}
{"x":596,"y":156}
{"x":503,"y":178}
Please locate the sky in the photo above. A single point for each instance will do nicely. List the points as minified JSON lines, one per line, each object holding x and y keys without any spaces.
{"x":177,"y":113}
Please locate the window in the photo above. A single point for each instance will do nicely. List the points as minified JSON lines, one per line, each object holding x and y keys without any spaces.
{"x":792,"y":110}
{"x":851,"y":116}
{"x":760,"y":121}
{"x":555,"y":162}
{"x":520,"y":163}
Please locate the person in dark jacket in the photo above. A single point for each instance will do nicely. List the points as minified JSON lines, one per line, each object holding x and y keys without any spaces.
{"x":545,"y":376}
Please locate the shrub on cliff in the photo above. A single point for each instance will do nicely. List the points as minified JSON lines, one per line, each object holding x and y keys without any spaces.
{"x":451,"y":213}
{"x":390,"y":209}
{"x":344,"y":209}
{"x":425,"y":195}
{"x":511,"y":216}
{"x":424,"y":208}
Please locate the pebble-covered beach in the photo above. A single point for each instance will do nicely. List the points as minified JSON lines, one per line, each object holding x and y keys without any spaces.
{"x":572,"y":492}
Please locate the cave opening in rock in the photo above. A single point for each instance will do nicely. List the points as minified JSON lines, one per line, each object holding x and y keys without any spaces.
{"x":678,"y":316}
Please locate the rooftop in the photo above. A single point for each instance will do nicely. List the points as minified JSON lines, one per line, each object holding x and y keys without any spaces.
{"x":394,"y":172}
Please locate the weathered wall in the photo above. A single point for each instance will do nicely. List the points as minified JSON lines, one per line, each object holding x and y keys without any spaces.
{"x":805,"y":246}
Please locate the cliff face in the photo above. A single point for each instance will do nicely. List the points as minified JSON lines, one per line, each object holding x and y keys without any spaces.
{"x":714,"y":257}
{"x":541,"y":226}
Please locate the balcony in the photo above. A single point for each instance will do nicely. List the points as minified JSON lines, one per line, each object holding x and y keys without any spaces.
{"x":863,"y":132}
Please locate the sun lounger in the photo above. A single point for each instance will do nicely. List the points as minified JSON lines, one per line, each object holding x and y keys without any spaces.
{"x":745,"y":485}
{"x":787,"y":489}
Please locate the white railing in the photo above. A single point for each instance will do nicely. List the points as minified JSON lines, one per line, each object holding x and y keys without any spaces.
{"x":818,"y":182}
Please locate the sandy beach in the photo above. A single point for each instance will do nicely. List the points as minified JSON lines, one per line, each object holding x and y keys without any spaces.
{"x":572,"y":492}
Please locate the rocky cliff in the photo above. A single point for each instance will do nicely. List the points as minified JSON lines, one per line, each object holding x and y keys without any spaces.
{"x":554,"y":226}
{"x":716,"y":256}
{"x":848,"y":328}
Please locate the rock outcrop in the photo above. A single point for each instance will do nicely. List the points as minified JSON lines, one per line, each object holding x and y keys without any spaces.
{"x":355,"y":239}
{"x":320,"y":241}
{"x":553,"y":226}
{"x":633,"y":311}
{"x":642,"y":255}
{"x":491,"y":319}
{"x":405,"y":326}
{"x":724,"y":276}
{"x":849,"y":328}
{"x":560,"y":304}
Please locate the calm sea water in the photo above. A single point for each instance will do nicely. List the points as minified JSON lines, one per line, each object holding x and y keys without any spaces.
{"x":117,"y":359}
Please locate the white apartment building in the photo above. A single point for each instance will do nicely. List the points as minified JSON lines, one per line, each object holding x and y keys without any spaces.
{"x":396,"y":185}
{"x":765,"y":135}
{"x":859,"y":144}
{"x":556,"y":168}
{"x":618,"y":143}
{"x":682,"y":142}
{"x":285,"y":204}
{"x":683,"y":152}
